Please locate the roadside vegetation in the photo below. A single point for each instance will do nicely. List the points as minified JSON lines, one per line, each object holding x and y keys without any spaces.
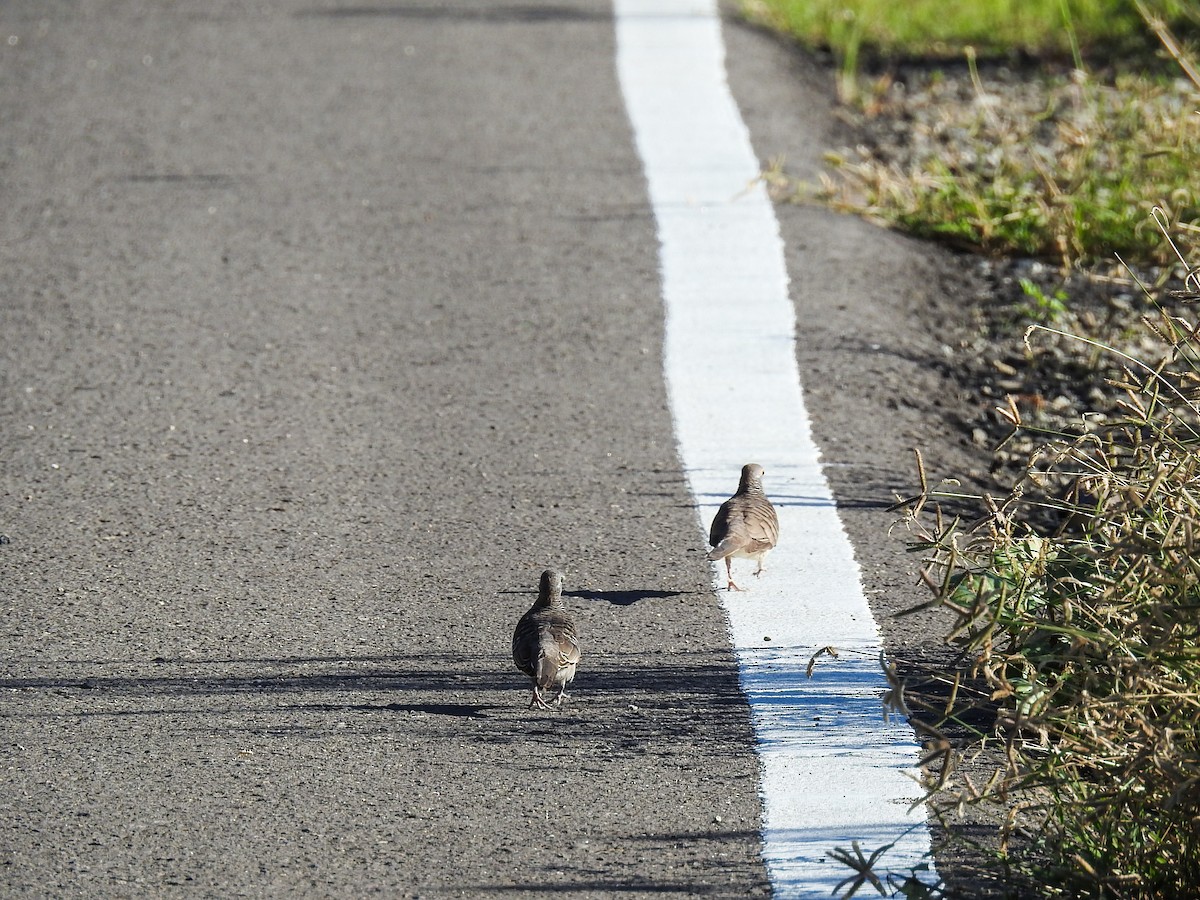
{"x":1071,"y":123}
{"x":1074,"y":590}
{"x":1076,"y":602}
{"x":1067,"y":171}
{"x":925,"y":29}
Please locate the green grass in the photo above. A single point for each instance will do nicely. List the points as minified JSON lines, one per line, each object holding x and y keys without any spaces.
{"x":940,"y":29}
{"x":1075,"y":186}
{"x":1069,"y":174}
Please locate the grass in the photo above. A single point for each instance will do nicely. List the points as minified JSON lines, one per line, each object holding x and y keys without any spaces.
{"x":880,"y":29}
{"x":1073,"y":181}
{"x":1076,"y":605}
{"x":1066,"y":168}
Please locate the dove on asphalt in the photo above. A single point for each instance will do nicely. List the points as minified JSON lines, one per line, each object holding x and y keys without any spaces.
{"x":545,"y":644}
{"x":746,"y":526}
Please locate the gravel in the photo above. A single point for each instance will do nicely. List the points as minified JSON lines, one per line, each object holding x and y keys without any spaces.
{"x":1057,"y":376}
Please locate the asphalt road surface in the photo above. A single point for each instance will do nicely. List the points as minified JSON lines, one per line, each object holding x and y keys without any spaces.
{"x":326,"y":326}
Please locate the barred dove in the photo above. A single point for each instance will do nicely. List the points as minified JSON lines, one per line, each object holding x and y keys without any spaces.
{"x":746,"y":525}
{"x":545,"y":644}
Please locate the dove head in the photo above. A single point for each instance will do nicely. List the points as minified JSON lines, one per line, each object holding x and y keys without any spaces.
{"x":752,"y":474}
{"x":550,"y":586}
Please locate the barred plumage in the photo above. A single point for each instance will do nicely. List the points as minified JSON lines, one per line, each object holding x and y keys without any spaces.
{"x":545,"y":644}
{"x":746,"y":525}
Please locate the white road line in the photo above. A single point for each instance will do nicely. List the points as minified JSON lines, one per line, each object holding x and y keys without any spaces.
{"x":832,"y":770}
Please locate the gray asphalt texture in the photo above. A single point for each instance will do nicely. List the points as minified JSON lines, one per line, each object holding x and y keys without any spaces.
{"x":327,"y":327}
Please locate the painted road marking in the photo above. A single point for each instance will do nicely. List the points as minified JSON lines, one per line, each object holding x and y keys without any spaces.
{"x":833,"y":771}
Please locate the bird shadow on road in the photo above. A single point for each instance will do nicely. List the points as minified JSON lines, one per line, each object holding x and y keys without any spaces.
{"x":617,"y":598}
{"x":624,"y":598}
{"x":454,"y":710}
{"x":200,"y":677}
{"x":379,"y":692}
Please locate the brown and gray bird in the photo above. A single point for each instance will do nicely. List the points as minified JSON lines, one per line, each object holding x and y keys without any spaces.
{"x":746,"y":525}
{"x":545,"y":644}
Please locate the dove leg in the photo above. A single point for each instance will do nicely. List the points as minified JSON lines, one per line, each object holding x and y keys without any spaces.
{"x":729,"y":575}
